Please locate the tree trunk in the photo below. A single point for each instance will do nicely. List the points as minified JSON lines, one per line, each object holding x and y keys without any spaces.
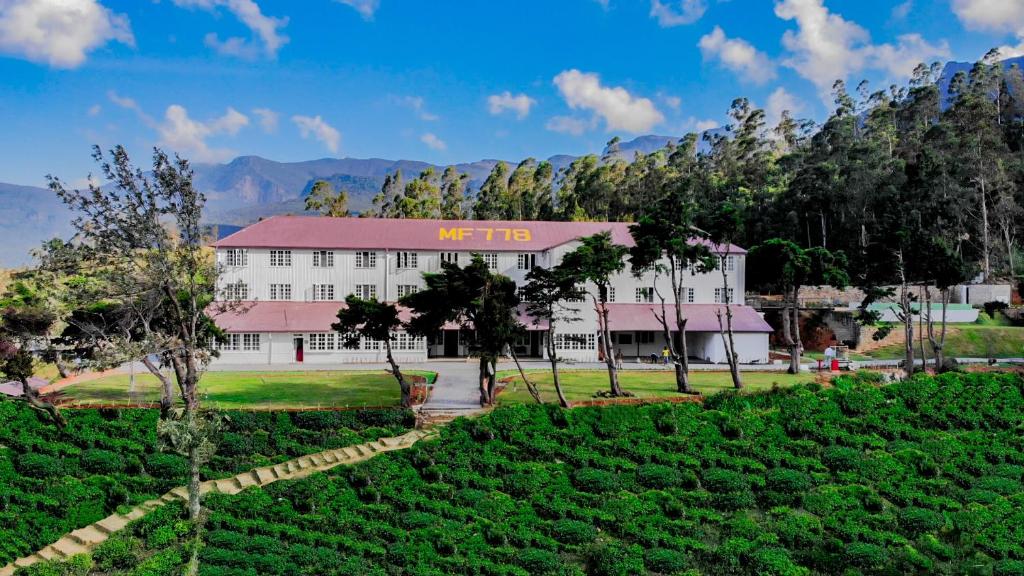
{"x":938,"y":344}
{"x":682,"y":355}
{"x":32,"y":397}
{"x":985,"y":242}
{"x":553,"y":358}
{"x":404,"y":386}
{"x":920,"y":326}
{"x":166,"y":388}
{"x":193,"y":483}
{"x":485,"y":396}
{"x":907,"y":313}
{"x":609,"y":358}
{"x":530,"y":387}
{"x":797,"y":348}
{"x":731,"y":355}
{"x":58,"y":361}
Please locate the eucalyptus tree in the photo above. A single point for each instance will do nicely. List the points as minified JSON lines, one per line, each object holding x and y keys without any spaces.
{"x":421,"y":198}
{"x":453,"y":194}
{"x":593,"y":263}
{"x":385,"y":203}
{"x":493,"y":201}
{"x":325,"y":201}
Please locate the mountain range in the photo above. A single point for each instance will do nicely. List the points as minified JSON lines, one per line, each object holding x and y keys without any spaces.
{"x":250,"y":187}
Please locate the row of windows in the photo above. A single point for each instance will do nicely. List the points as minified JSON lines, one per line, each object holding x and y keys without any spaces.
{"x":240,"y":343}
{"x":575,"y":342}
{"x":330,"y":341}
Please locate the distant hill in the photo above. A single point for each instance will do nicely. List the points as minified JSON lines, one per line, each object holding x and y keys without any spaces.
{"x":28,"y":215}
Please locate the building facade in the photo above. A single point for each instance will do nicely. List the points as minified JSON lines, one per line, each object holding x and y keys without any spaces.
{"x":289,"y":276}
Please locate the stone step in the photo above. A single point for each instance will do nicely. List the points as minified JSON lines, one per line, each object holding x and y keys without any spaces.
{"x":49,"y":553}
{"x":88,"y":536}
{"x":112,"y":523}
{"x":248,"y":479}
{"x":265,"y":475}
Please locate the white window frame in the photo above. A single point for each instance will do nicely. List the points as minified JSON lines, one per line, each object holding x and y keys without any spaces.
{"x":323,"y":292}
{"x":691,"y":295}
{"x":240,"y":342}
{"x":611,"y":293}
{"x":645,"y":294}
{"x":366,"y":259}
{"x":728,"y":263}
{"x":323,"y":259}
{"x":236,"y":257}
{"x":451,"y":257}
{"x":406,"y":260}
{"x":321,"y":341}
{"x":491,"y":260}
{"x":526,"y":261}
{"x":575,"y":341}
{"x":280,"y":258}
{"x":407,"y":289}
{"x":280,"y":291}
{"x":366,"y":291}
{"x":718,"y":296}
{"x":236,"y":291}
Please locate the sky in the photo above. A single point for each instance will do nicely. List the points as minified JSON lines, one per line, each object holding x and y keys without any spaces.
{"x":443,"y":81}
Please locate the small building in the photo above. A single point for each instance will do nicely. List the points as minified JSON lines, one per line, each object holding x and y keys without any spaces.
{"x":289,"y":275}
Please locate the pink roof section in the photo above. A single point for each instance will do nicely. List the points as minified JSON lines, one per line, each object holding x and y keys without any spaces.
{"x":300,"y":317}
{"x":322,"y":232}
{"x":700,"y":318}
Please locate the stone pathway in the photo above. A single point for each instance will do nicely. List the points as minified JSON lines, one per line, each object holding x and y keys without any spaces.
{"x":84,"y":539}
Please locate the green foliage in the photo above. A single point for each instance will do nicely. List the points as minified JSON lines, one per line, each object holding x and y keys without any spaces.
{"x":78,"y":565}
{"x":53,"y":482}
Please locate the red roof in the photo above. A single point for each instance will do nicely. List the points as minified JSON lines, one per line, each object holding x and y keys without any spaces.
{"x":299,"y":317}
{"x":321,"y":232}
{"x":700,"y":318}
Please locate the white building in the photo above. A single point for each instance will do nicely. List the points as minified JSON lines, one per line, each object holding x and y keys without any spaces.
{"x":292,"y":274}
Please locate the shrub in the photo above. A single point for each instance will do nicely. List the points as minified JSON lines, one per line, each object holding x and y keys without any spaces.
{"x":536,"y":561}
{"x":117,"y":553}
{"x":657,"y":476}
{"x":102,"y":462}
{"x":665,"y":561}
{"x":78,"y":565}
{"x":573,"y":531}
{"x":39,"y":466}
{"x":595,"y":480}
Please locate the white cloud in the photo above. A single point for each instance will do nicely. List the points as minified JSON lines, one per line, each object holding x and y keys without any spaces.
{"x":619,"y":109}
{"x":901,"y":11}
{"x":268,"y":119}
{"x":689,"y":12}
{"x":316,"y":127}
{"x":419,"y":106}
{"x":568,"y":125}
{"x":826,"y":47}
{"x":266,"y":28}
{"x":182,"y":134}
{"x":433,"y":142}
{"x":520,"y":103}
{"x":95,"y":110}
{"x":673,"y":102}
{"x":994,"y":16}
{"x":59,"y":34}
{"x":130,"y":104}
{"x":737,"y":55}
{"x":704,"y":125}
{"x":366,"y":8}
{"x":778,"y":101}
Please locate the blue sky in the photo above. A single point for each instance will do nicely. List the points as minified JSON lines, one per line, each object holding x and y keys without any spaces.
{"x":442,"y":81}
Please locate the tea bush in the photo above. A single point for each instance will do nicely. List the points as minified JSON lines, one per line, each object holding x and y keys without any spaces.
{"x":53,"y":482}
{"x":919,"y":477}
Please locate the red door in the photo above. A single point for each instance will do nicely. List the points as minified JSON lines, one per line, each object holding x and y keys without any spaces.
{"x":298,"y":349}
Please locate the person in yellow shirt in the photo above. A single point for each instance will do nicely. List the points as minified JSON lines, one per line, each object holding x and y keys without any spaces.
{"x":665,"y":355}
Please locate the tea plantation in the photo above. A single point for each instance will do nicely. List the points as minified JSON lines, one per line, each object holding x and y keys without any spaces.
{"x":52,"y":482}
{"x":919,"y":477}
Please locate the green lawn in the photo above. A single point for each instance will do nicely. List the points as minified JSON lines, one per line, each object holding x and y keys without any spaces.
{"x":582,"y":384}
{"x":256,"y":389}
{"x":969,"y":341}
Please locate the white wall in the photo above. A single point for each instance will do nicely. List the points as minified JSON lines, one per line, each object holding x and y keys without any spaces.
{"x":279,"y":348}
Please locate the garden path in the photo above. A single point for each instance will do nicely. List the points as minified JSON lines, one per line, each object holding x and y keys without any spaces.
{"x":84,"y":539}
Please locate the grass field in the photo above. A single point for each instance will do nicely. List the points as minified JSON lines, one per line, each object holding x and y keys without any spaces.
{"x":256,"y":389}
{"x":969,"y":341}
{"x":583,"y":384}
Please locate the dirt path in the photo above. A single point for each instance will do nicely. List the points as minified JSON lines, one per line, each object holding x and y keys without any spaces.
{"x":84,"y":539}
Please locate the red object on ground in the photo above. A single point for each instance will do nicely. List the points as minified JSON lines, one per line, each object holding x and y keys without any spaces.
{"x":835,"y":365}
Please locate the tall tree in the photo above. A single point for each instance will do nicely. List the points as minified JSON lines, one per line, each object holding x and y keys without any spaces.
{"x":376,"y":321}
{"x":549,"y":296}
{"x":484,"y":304}
{"x":145,"y":231}
{"x":325,"y":201}
{"x":453,"y":194}
{"x":421,"y":198}
{"x":385,"y":203}
{"x":593,"y":263}
{"x":493,"y":201}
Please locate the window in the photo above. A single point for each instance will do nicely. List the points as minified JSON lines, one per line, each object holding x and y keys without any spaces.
{"x":450,"y":257}
{"x":323,"y":259}
{"x":366,"y":259}
{"x":405,"y":341}
{"x":243,"y":342}
{"x":323,"y":291}
{"x":280,"y":258}
{"x":574,"y":341}
{"x":321,"y":342}
{"x":280,"y":291}
{"x":689,"y":295}
{"x":645,"y":337}
{"x":237,"y":291}
{"x":491,"y":259}
{"x":366,"y":291}
{"x":581,"y":290}
{"x":521,"y":292}
{"x":625,"y":338}
{"x":406,"y":260}
{"x":526,"y":261}
{"x":718,"y":296}
{"x":406,"y":289}
{"x":729,"y":263}
{"x":611,"y":294}
{"x":645,"y":294}
{"x":369,"y":344}
{"x":236,"y":257}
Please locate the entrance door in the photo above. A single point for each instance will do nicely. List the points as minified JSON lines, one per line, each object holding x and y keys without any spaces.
{"x":298,"y":349}
{"x":535,"y":344}
{"x":451,"y":343}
